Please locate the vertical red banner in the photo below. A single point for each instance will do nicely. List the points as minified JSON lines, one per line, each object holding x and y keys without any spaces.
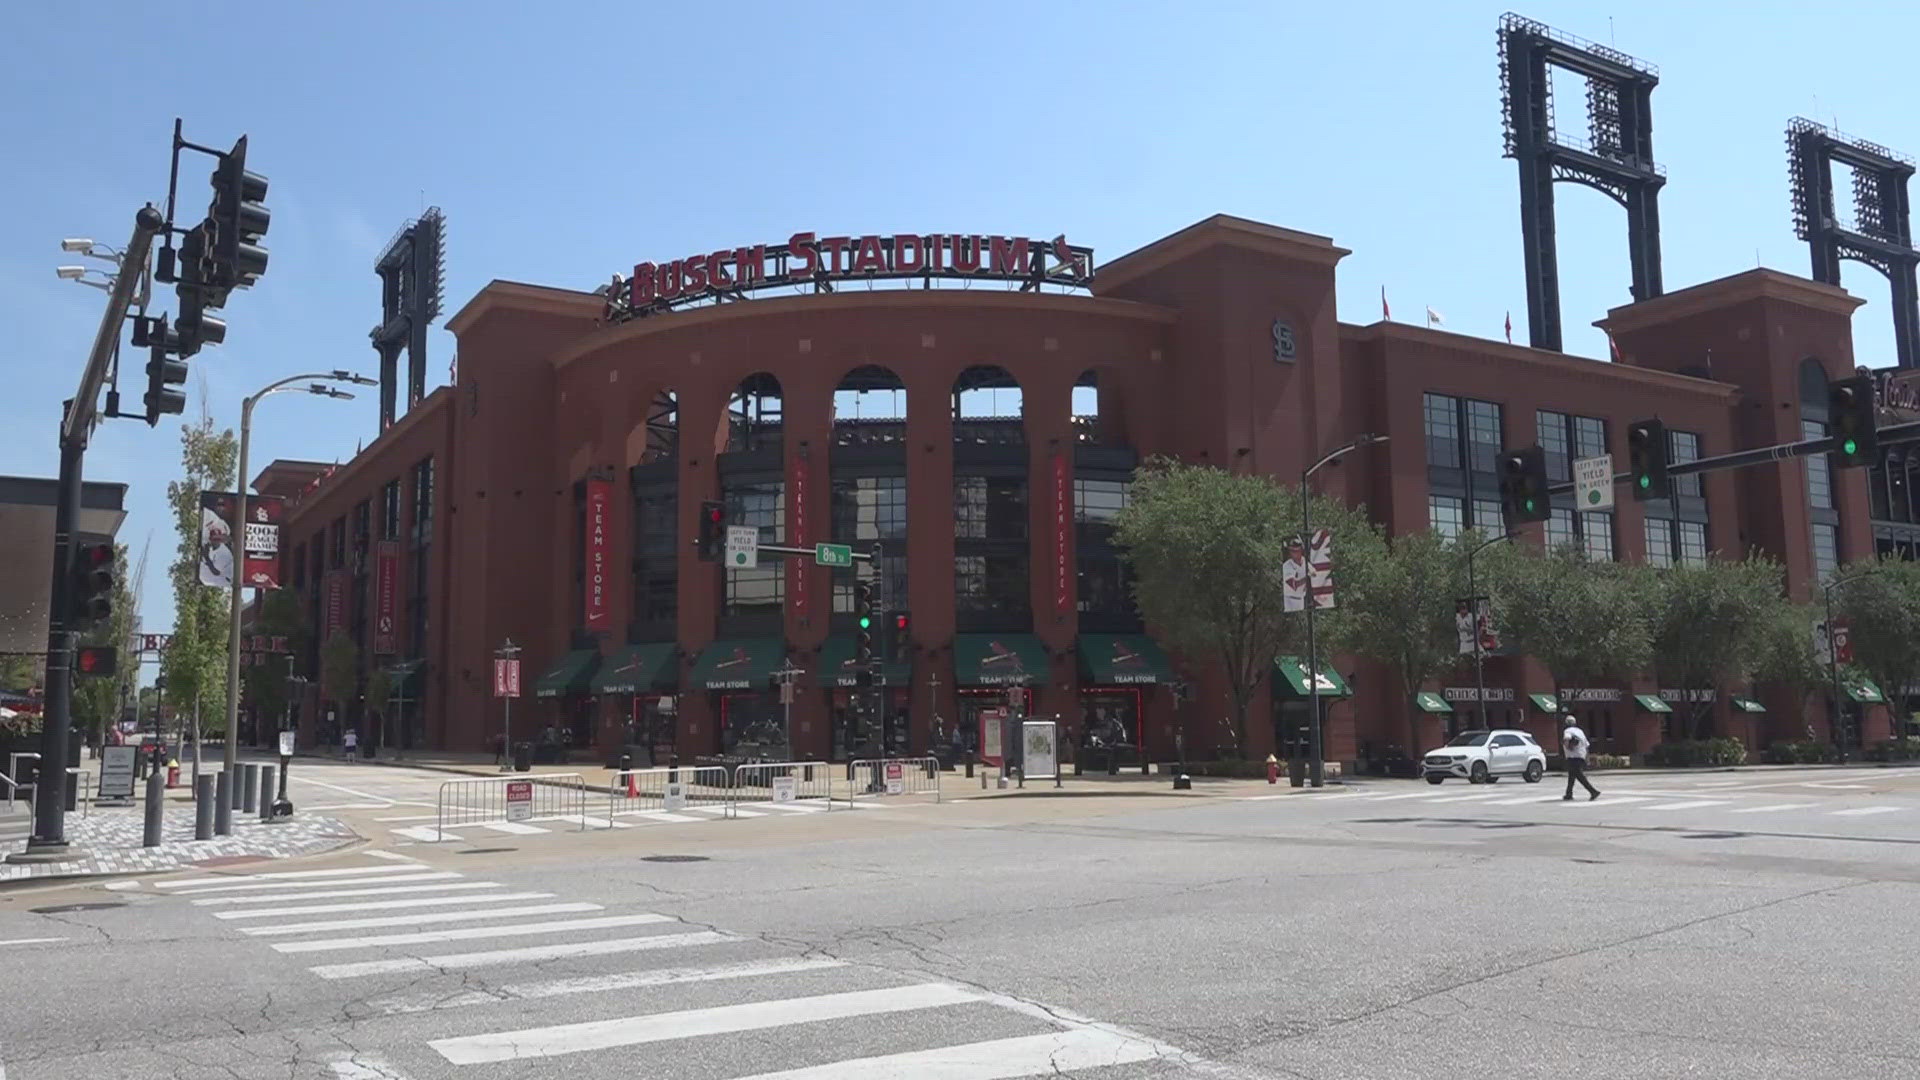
{"x":386,"y":596}
{"x":798,"y":533}
{"x":336,"y":603}
{"x":1062,"y":522}
{"x":599,"y":615}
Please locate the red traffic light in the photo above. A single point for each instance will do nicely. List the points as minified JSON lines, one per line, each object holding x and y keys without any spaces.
{"x":899,"y":622}
{"x":96,"y":660}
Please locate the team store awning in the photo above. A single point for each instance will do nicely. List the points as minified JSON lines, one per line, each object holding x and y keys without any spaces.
{"x":1653,"y":703}
{"x":637,"y":669}
{"x":1431,"y":702}
{"x":1544,"y":702}
{"x":1122,"y":659}
{"x":739,"y":664}
{"x":998,"y":660}
{"x":572,"y":675}
{"x":1862,"y":690}
{"x":1747,"y":704}
{"x":1295,"y":671}
{"x":836,"y":664}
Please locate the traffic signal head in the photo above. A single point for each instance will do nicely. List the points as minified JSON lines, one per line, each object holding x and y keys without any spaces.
{"x":1523,"y":486}
{"x":713,"y":529}
{"x":97,"y":660}
{"x":1851,"y":419}
{"x":863,"y":622}
{"x":239,"y":219}
{"x":1647,"y":454}
{"x":91,"y":595}
{"x":166,"y":372}
{"x":899,"y":637}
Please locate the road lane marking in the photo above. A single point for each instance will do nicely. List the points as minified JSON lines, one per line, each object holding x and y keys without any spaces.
{"x":512,"y":828}
{"x":1055,"y":1053}
{"x":525,"y":954}
{"x":31,"y":941}
{"x":469,"y":933}
{"x":1616,"y":800}
{"x":281,"y":898}
{"x":394,"y":856}
{"x":1835,"y":787}
{"x":691,"y":1023}
{"x":434,"y":875}
{"x":1694,"y":804}
{"x":381,"y":905}
{"x":1770,"y":809}
{"x":595,"y":984}
{"x":1478,"y":796}
{"x":1402,"y":795}
{"x":1862,"y":811}
{"x":356,"y":794}
{"x":422,"y":918}
{"x":283,"y":875}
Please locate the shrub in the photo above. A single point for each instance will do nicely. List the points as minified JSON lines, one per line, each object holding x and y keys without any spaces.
{"x":1698,"y":752}
{"x":1904,"y":749}
{"x":1802,"y":753}
{"x":1609,"y":761}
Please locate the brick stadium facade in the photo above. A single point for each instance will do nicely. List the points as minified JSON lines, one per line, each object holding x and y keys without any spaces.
{"x":985,"y":438}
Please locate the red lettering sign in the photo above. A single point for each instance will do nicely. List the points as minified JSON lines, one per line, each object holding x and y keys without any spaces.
{"x":797,"y":569}
{"x":386,"y":596}
{"x":1062,"y":522}
{"x":599,"y":554}
{"x":506,"y":677}
{"x":336,"y":602}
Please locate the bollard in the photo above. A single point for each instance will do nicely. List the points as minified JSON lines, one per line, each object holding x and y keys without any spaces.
{"x":203,"y":800}
{"x":265,"y":800}
{"x":235,"y":786}
{"x":156,"y":810}
{"x":249,"y":787}
{"x":223,"y":796}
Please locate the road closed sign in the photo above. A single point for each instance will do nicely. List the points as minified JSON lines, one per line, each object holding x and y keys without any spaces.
{"x":519,"y":800}
{"x":896,"y":778}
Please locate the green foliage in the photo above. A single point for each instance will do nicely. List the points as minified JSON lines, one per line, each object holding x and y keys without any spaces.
{"x":1608,"y":761}
{"x":1695,"y":752}
{"x":1397,"y":607}
{"x":1207,"y":549}
{"x":18,"y":672}
{"x":379,"y":690}
{"x":1788,"y":658}
{"x":264,"y":686}
{"x":97,"y":702}
{"x":339,"y":670}
{"x":1881,"y":602}
{"x":1802,"y":753}
{"x":1711,"y":626}
{"x":195,"y":664}
{"x":1584,"y":620}
{"x":1906,"y":748}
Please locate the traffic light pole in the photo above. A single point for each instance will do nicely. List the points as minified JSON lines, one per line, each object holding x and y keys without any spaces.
{"x":1908,"y":432}
{"x":49,"y":839}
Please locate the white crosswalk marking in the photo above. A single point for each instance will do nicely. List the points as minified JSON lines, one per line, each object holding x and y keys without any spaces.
{"x":513,"y":828}
{"x":257,"y":886}
{"x":284,"y":875}
{"x":1863,"y":811}
{"x":384,"y":890}
{"x":1386,"y":798}
{"x":1052,"y":1054}
{"x":601,"y":984}
{"x":719,"y":1020}
{"x":381,"y":905}
{"x":528,"y":954}
{"x":1476,"y":797}
{"x":427,"y":918}
{"x":1695,"y":804}
{"x":1618,"y":800}
{"x":469,"y":933}
{"x":1772,"y":808}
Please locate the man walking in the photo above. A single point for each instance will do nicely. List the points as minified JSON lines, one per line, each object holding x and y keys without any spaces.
{"x":1573,"y":743}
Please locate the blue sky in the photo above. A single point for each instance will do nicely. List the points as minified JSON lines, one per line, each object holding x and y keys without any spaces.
{"x":568,"y":141}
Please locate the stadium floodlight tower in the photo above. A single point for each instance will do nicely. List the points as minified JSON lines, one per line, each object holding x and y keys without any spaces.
{"x":1880,"y":233}
{"x":1615,"y":157}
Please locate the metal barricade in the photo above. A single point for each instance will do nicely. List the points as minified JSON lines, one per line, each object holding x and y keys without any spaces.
{"x":484,"y":800}
{"x":707,"y":790}
{"x":766,"y":783}
{"x":893,"y":776}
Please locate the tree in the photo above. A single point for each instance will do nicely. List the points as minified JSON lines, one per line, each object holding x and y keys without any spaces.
{"x":1788,"y":658}
{"x":339,"y":670}
{"x":1582,"y":619}
{"x":1398,"y":609}
{"x":264,"y":685}
{"x":1207,"y":548}
{"x":379,"y":690}
{"x":18,"y":672}
{"x":97,"y":702}
{"x":195,"y":663}
{"x":1710,"y":626}
{"x":1881,"y":602}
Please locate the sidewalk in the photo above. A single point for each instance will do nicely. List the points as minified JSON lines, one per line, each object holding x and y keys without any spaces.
{"x":108,"y":841}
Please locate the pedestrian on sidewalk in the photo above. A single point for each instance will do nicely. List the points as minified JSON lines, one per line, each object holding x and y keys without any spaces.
{"x":1573,"y":743}
{"x":350,"y":743}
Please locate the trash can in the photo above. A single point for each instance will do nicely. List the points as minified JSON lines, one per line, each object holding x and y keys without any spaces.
{"x":523,"y":757}
{"x":366,"y":750}
{"x":1296,"y":771}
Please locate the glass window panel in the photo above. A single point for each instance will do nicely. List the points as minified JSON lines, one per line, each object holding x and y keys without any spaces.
{"x":1684,"y":446}
{"x":1589,"y":437}
{"x":1487,"y":516}
{"x":1560,"y":528}
{"x":1551,"y":428}
{"x":1819,"y":474}
{"x":1597,"y":527}
{"x":1447,"y":515}
{"x":1443,"y":431}
{"x":1659,"y":542}
{"x":1483,"y":434}
{"x":990,"y":508}
{"x":1826,"y":548}
{"x":1693,"y":543}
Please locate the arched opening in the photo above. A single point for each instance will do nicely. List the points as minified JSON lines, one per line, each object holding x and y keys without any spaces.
{"x":992,"y":564}
{"x":988,"y":407}
{"x":753,"y":485}
{"x":868,"y":508}
{"x":870,"y":408}
{"x":754,"y":415}
{"x":653,"y":450}
{"x":1085,"y":418}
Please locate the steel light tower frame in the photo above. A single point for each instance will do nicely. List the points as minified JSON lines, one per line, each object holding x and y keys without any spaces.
{"x":1882,"y":236}
{"x":412,"y":269}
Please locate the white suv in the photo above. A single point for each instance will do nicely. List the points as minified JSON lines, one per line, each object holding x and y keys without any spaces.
{"x":1483,"y":757}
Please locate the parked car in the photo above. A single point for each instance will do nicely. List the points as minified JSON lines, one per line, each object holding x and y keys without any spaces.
{"x":1483,"y":757}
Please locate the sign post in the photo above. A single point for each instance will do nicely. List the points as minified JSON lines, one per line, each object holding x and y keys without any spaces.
{"x":743,"y":547}
{"x":506,"y":687}
{"x":1593,"y":482}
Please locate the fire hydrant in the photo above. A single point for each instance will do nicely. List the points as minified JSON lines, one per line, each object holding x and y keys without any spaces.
{"x":1273,"y":769}
{"x":173,"y":774}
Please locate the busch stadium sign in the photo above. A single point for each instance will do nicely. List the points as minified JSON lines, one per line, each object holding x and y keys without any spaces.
{"x":821,"y":261}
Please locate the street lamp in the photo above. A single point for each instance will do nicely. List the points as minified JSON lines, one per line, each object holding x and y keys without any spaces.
{"x":1473,"y":610}
{"x":1839,"y":714}
{"x":240,"y":532}
{"x":1315,"y":767}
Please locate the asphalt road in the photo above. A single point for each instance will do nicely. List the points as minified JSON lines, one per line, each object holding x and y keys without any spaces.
{"x":1744,"y":925}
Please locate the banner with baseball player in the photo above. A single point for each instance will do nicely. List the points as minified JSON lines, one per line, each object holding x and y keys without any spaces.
{"x":1308,"y":570}
{"x":260,"y":541}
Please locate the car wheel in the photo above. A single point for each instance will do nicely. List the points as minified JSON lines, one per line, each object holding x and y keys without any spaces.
{"x":1493,"y":778}
{"x":1479,"y":773}
{"x":1534,"y":772}
{"x":1435,"y":779}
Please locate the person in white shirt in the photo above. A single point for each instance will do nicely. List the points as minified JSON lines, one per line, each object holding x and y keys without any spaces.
{"x":1573,"y":743}
{"x":350,"y":743}
{"x":216,"y":562}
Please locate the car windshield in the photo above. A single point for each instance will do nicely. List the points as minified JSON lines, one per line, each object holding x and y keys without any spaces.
{"x":1469,"y":738}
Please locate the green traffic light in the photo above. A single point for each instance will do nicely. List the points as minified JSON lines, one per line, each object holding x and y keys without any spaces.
{"x":1645,"y":482}
{"x":1530,"y":506}
{"x":1850,"y":447}
{"x":865,"y":622}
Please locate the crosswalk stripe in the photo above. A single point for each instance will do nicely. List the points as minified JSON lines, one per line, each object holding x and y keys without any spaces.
{"x":690,"y":1023}
{"x":382,"y":890}
{"x":1862,"y":811}
{"x":424,"y":833}
{"x":665,"y":815}
{"x":283,"y":875}
{"x":1517,"y":801}
{"x":1055,"y":1053}
{"x":423,"y":918}
{"x":512,"y":828}
{"x":595,"y":984}
{"x":1694,"y":804}
{"x":1476,"y":797}
{"x":525,"y":954}
{"x":468,"y":933}
{"x":1770,"y":809}
{"x":381,"y":905}
{"x":1390,"y":798}
{"x":1616,"y":800}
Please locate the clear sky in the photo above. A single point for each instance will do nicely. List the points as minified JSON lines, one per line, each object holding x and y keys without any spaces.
{"x":568,"y":141}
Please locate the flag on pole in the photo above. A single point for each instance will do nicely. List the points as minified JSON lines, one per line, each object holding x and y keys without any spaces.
{"x":1434,"y":318}
{"x":1614,"y":347}
{"x":1509,"y":327}
{"x":1386,"y":313}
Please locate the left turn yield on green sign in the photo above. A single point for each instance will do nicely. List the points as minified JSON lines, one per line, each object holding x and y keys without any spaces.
{"x":743,"y":547}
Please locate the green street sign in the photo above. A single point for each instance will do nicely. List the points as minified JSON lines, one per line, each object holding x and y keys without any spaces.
{"x":832,"y":555}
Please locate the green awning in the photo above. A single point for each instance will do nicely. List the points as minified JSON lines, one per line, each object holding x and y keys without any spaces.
{"x":1431,"y":702}
{"x":1295,"y":670}
{"x":572,"y":675}
{"x":637,"y":669}
{"x":1862,"y":690}
{"x":1747,"y":704}
{"x":836,"y":664}
{"x":739,"y":663}
{"x":1546,"y":703}
{"x":1653,"y":703}
{"x":1118,"y":659}
{"x":998,"y":659}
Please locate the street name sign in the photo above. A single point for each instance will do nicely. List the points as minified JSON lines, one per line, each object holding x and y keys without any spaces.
{"x":1593,"y":482}
{"x":743,"y":547}
{"x":832,"y":555}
